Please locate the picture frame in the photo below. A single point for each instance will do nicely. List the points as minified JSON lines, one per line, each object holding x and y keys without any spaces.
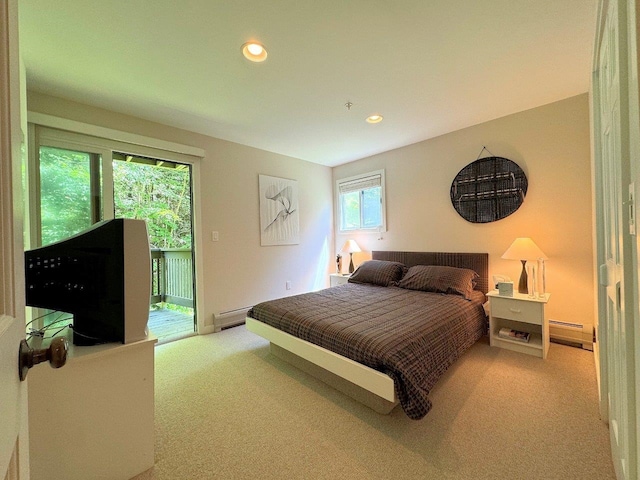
{"x":279,"y":212}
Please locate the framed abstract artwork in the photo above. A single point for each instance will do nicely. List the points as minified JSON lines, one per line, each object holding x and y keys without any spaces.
{"x":279,"y":218}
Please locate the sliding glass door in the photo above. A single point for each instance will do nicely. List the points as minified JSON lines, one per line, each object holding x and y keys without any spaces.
{"x":75,"y":181}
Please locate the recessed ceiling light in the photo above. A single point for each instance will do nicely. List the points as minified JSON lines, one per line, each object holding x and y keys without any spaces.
{"x":254,"y":52}
{"x":374,"y":118}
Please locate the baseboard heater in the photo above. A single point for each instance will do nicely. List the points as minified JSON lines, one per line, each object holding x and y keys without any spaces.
{"x":230,"y":318}
{"x":572,"y":333}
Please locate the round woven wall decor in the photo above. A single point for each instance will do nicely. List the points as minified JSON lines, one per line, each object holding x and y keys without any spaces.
{"x":488,"y":189}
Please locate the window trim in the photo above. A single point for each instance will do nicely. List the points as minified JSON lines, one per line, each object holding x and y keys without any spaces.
{"x":361,"y":178}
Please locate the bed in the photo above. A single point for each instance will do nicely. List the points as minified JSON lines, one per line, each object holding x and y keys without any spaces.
{"x":388,"y":335}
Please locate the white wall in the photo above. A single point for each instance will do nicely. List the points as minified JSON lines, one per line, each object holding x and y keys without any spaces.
{"x":551,"y":144}
{"x":237,"y":271}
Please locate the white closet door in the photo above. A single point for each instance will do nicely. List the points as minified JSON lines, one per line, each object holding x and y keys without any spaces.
{"x":612,"y":175}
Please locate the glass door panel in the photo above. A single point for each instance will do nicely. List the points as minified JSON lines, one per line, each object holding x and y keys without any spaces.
{"x":68,"y":203}
{"x":159,"y":191}
{"x":69,"y":192}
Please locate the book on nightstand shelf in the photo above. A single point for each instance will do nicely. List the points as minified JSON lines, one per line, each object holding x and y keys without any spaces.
{"x":514,"y":335}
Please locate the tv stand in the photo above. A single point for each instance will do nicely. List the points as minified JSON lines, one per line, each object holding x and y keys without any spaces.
{"x":94,"y":417}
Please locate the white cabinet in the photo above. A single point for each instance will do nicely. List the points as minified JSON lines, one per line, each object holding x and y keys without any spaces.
{"x":338,"y":279}
{"x":94,"y":417}
{"x":521,"y":313}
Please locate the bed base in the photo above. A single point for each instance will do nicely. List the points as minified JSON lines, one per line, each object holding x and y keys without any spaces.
{"x":365,"y":385}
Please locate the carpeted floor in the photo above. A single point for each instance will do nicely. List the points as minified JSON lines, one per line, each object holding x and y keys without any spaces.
{"x":227,"y":409}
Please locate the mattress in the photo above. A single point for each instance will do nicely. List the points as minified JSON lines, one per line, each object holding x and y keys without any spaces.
{"x":412,"y":336}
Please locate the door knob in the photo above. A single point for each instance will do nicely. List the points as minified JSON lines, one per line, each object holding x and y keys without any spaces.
{"x":28,"y":357}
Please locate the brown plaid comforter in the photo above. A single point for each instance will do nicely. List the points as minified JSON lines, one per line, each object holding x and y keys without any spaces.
{"x":412,"y":336}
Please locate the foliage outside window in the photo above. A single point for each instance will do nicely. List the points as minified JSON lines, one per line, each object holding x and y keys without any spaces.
{"x":70,"y":193}
{"x":361,"y":202}
{"x":159,"y":195}
{"x":66,"y":198}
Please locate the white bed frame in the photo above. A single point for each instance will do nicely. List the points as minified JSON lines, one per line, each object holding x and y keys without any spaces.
{"x":366,"y":385}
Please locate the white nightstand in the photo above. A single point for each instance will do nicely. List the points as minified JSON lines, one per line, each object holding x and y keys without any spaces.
{"x":522,"y":313}
{"x":336,"y":279}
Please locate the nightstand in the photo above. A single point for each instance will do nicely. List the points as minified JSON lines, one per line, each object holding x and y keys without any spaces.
{"x":336,"y":279}
{"x":522,"y":313}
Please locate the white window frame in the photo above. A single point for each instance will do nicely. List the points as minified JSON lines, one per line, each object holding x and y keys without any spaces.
{"x":361,"y":178}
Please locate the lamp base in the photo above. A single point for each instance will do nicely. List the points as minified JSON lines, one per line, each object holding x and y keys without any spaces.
{"x":522,"y":285}
{"x":351,"y":268}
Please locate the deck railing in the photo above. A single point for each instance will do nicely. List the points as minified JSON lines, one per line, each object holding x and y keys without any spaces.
{"x":172,"y":272}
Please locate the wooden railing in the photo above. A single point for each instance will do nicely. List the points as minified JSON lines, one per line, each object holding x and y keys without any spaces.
{"x":172,"y":277}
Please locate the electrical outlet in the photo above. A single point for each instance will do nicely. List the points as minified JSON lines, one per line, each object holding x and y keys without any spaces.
{"x":288,"y":284}
{"x":215,"y":237}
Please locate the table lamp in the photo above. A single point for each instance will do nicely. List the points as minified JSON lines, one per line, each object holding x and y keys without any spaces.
{"x":351,"y":247}
{"x":523,"y":249}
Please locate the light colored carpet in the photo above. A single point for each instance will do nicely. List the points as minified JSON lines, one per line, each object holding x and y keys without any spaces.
{"x":227,"y":409}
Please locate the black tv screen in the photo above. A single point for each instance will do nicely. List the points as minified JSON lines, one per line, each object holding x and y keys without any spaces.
{"x":101,"y":276}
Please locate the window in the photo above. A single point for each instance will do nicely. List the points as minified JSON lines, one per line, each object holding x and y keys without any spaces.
{"x":361,"y":202}
{"x":70,"y":182}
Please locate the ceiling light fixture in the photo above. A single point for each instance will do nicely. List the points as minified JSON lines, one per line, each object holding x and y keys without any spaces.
{"x":254,"y":52}
{"x":374,"y":118}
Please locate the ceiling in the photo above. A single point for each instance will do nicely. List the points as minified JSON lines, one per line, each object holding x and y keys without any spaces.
{"x":428,"y":66}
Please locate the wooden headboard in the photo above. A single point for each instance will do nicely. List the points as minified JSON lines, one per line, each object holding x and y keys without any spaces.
{"x":478,"y":262}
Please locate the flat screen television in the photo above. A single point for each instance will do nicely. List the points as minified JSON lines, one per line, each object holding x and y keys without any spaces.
{"x":101,"y":276}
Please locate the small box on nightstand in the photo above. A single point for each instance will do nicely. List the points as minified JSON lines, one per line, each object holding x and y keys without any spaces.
{"x":505,"y":289}
{"x":336,"y":279}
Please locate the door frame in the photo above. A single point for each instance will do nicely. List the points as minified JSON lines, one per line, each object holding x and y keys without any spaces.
{"x":633,"y":45}
{"x":14,"y":440}
{"x":600,"y":345}
{"x":106,"y":139}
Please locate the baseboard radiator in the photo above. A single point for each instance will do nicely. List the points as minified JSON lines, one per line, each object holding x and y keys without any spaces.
{"x":230,"y":318}
{"x":572,"y":333}
{"x":564,"y":332}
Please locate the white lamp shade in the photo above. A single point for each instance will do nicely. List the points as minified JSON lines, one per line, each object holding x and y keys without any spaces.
{"x":351,"y":246}
{"x":523,"y":249}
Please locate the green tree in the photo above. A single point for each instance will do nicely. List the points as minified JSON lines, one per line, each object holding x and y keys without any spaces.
{"x":65,"y":193}
{"x":161,"y":196}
